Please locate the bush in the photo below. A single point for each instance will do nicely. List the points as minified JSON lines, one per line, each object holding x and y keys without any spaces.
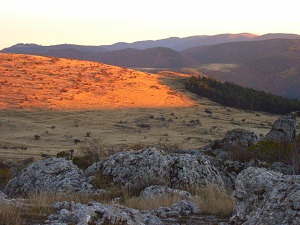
{"x":94,"y":151}
{"x":5,"y":174}
{"x":271,"y":151}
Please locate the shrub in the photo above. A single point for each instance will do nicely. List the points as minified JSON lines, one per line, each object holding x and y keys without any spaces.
{"x":37,"y":137}
{"x":5,"y":174}
{"x":271,"y":151}
{"x":95,"y":151}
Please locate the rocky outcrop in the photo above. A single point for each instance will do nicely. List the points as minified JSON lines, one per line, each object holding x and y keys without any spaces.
{"x":153,"y":167}
{"x":97,"y":213}
{"x":234,"y":139}
{"x":159,"y":191}
{"x":49,"y":175}
{"x":240,"y":137}
{"x":266,"y":197}
{"x":283,"y":168}
{"x":284,"y":129}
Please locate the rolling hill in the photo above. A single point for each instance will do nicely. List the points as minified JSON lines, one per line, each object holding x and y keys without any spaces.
{"x":29,"y":82}
{"x":260,"y":62}
{"x":63,"y":102}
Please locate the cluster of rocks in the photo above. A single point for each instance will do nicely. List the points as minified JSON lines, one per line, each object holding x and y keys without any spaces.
{"x":264,"y":196}
{"x":150,"y":166}
{"x":97,"y":213}
{"x":129,"y":169}
{"x":55,"y":175}
{"x":219,"y":151}
{"x":136,"y":168}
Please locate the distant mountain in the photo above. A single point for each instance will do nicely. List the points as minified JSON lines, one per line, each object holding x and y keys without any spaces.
{"x":241,"y":52}
{"x":179,"y":44}
{"x":275,"y":36}
{"x":260,"y":62}
{"x":39,"y":49}
{"x":269,"y":65}
{"x":175,"y":43}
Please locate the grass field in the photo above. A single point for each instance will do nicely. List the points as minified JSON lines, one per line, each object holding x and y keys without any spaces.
{"x":49,"y":105}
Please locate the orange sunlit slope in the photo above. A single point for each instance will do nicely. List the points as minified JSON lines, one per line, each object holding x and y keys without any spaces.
{"x":29,"y":82}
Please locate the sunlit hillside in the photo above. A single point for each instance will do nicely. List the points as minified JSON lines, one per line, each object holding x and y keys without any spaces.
{"x":52,"y":83}
{"x":118,"y":106}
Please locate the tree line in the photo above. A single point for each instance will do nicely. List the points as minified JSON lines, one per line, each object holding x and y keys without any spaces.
{"x":236,"y":96}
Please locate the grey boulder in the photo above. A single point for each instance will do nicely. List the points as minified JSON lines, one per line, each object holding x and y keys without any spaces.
{"x":153,"y":167}
{"x":284,"y":129}
{"x":50,"y":175}
{"x":266,"y":197}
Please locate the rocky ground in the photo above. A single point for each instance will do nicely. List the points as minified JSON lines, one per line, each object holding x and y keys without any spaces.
{"x":265,"y":193}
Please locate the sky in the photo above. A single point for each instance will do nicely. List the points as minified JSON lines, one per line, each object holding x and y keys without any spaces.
{"x":98,"y":22}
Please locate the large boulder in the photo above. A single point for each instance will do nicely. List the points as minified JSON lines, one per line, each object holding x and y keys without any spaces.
{"x":284,"y":129}
{"x":240,"y":138}
{"x":234,"y":139}
{"x":266,"y":197}
{"x":50,"y":175}
{"x":153,"y":167}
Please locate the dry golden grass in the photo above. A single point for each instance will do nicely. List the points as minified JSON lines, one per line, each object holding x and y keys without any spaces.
{"x":29,"y":82}
{"x":214,"y":201}
{"x":9,"y":214}
{"x":131,"y":112}
{"x":120,"y":128}
{"x":38,"y":206}
{"x":210,"y":200}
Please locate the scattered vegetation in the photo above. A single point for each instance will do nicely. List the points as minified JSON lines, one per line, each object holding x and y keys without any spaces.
{"x":37,"y":137}
{"x":233,"y":95}
{"x":5,"y":173}
{"x":214,"y":201}
{"x":91,"y":151}
{"x":9,"y":214}
{"x":269,"y":152}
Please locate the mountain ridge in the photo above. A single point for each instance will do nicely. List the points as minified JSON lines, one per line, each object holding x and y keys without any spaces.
{"x":271,"y":65}
{"x":175,"y":43}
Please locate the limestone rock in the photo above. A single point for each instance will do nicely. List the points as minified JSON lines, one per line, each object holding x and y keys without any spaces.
{"x":158,"y":190}
{"x":283,"y":129}
{"x":182,"y":208}
{"x":153,"y":167}
{"x":234,"y":139}
{"x":49,"y":175}
{"x":266,"y":197}
{"x":283,"y":168}
{"x":97,"y":213}
{"x":97,"y":166}
{"x":240,"y":137}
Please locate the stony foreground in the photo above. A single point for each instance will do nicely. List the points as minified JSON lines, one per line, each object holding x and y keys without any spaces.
{"x":263,"y":195}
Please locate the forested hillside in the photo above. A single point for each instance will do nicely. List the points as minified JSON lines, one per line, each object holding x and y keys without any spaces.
{"x":232,"y":95}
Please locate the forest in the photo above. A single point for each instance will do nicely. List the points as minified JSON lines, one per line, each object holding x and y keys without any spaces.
{"x":236,"y":96}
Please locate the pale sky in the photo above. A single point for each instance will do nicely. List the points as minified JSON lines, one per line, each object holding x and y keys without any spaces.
{"x":96,"y":22}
